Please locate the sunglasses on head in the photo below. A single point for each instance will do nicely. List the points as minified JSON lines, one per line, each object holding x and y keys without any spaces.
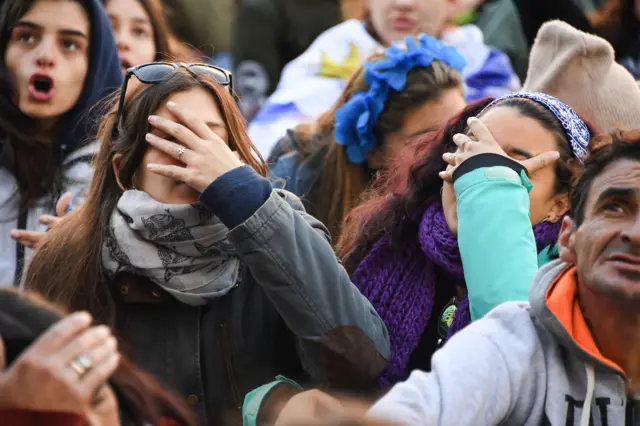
{"x":155,"y":72}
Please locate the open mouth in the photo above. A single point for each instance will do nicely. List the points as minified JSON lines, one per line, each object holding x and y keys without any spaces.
{"x":41,"y":87}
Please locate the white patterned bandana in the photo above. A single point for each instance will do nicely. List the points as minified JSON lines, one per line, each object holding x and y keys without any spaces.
{"x":574,"y":127}
{"x":180,"y":247}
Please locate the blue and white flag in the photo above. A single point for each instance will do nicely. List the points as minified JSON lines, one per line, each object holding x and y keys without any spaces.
{"x":312,"y":83}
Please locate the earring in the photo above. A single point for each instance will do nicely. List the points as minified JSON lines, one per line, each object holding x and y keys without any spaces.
{"x":547,"y":219}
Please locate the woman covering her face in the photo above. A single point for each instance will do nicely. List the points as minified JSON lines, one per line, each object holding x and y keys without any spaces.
{"x":58,"y":60}
{"x":419,"y":248}
{"x":216,"y":282}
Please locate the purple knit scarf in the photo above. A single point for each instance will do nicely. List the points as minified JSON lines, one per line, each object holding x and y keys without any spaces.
{"x":401,"y":285}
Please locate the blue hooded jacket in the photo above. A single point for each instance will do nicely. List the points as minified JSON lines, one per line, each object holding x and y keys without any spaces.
{"x":104,"y":76}
{"x":72,"y":145}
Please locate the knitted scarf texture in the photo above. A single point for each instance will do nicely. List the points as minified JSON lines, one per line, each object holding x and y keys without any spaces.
{"x":401,"y":284}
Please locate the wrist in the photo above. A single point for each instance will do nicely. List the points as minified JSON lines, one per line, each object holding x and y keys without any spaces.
{"x":263,"y":405}
{"x":487,"y":160}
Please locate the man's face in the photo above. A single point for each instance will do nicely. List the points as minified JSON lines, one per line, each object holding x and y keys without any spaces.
{"x":606,"y":246}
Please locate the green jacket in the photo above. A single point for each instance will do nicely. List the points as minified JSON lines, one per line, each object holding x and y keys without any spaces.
{"x":496,"y":241}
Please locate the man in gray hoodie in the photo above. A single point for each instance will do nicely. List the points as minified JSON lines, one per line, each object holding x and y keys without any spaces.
{"x":571,"y":356}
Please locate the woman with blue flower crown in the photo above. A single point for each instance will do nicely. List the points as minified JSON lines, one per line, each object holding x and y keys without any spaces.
{"x":395,"y":96}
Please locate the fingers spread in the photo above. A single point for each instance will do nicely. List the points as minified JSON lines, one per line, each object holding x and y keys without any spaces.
{"x":461,"y":140}
{"x":63,"y":204}
{"x":479,"y":130}
{"x":541,"y":161}
{"x":27,"y":238}
{"x":172,"y":149}
{"x":177,"y":131}
{"x":447,"y":175}
{"x":173,"y":172}
{"x":49,"y":220}
{"x":186,"y":117}
{"x":449,"y":158}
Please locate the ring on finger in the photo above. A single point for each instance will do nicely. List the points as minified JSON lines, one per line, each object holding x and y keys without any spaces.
{"x":81,"y":364}
{"x":180,"y":151}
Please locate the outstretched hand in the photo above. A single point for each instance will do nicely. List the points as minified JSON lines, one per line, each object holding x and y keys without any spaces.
{"x":485,"y":143}
{"x":204,"y":153}
{"x":32,"y":239}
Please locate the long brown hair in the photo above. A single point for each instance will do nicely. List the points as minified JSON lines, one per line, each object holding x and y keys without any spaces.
{"x":342,"y":182}
{"x":77,"y":241}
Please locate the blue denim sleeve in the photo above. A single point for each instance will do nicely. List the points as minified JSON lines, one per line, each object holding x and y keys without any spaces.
{"x":236,"y":195}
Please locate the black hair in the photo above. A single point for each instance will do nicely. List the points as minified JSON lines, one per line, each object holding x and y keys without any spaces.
{"x":394,"y":205}
{"x":618,"y":146}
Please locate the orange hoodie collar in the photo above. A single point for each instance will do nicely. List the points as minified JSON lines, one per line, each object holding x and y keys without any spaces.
{"x":562,"y":301}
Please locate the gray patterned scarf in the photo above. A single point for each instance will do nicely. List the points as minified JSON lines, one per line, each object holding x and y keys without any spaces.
{"x":182,"y":248}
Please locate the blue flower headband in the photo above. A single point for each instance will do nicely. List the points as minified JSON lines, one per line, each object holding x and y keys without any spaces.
{"x":354,"y":120}
{"x":574,"y":127}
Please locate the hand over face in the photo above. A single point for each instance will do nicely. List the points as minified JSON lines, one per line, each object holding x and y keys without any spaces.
{"x":483,"y":142}
{"x":204,"y":153}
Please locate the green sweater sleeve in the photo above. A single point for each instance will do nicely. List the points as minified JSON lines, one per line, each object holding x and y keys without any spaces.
{"x":495,"y":237}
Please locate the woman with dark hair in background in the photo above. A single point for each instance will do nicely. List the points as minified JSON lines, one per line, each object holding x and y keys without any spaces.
{"x":215,"y":282}
{"x":402,"y":245}
{"x":330,"y":163}
{"x":58,"y":60}
{"x":61,"y":370}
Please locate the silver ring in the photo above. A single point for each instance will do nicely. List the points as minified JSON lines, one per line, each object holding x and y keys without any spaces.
{"x":81,"y":364}
{"x":181,"y":151}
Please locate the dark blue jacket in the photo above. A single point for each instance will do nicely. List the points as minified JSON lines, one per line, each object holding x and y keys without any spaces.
{"x":103,"y":78}
{"x":72,"y":148}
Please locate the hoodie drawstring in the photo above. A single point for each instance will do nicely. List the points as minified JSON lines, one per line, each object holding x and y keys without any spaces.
{"x":591,"y":385}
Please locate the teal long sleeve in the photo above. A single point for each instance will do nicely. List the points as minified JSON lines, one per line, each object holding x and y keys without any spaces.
{"x":495,"y":237}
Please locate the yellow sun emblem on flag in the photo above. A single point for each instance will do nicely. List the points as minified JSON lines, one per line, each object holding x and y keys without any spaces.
{"x":332,"y":69}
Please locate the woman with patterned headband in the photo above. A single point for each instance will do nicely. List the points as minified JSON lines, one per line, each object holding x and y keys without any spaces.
{"x":426,"y":257}
{"x":396,"y":95}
